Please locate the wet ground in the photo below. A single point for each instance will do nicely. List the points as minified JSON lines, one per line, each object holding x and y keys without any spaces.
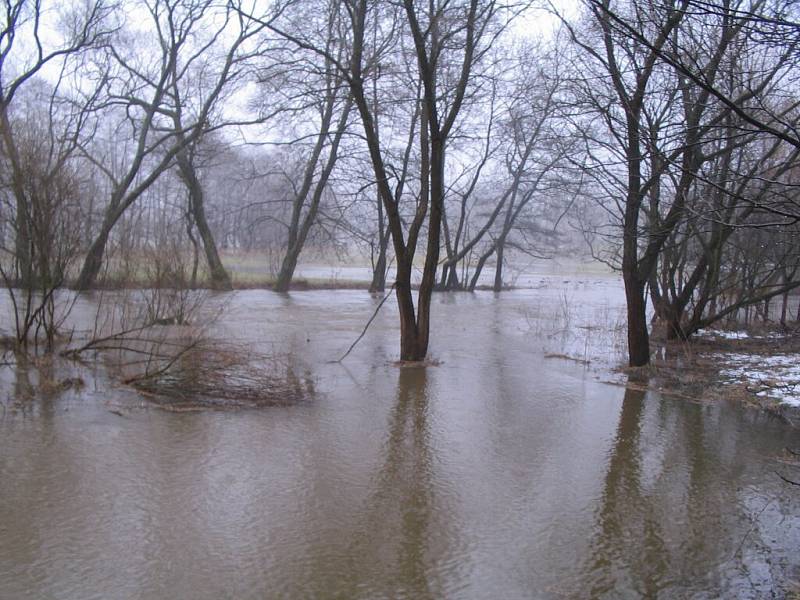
{"x":505,"y":471}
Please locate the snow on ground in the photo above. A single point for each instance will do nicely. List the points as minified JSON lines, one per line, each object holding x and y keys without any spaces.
{"x":776,"y":376}
{"x":738,"y":335}
{"x":726,"y":335}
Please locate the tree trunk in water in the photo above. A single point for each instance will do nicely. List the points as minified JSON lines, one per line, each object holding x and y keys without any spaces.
{"x":410,"y":349}
{"x":428,"y":281}
{"x":449,"y":280}
{"x":498,"y":272}
{"x":94,"y":260}
{"x":452,"y":279}
{"x":476,"y":274}
{"x":378,"y":283}
{"x":638,"y":336}
{"x":286,"y":272}
{"x":443,"y":281}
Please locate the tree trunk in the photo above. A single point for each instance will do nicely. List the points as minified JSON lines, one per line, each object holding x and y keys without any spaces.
{"x":452,"y":282}
{"x":476,"y":274}
{"x":22,"y":246}
{"x":195,"y":253}
{"x":409,"y":334}
{"x":784,"y":308}
{"x":638,"y":336}
{"x":94,"y":258}
{"x":220,"y":280}
{"x":378,"y":283}
{"x":449,"y":280}
{"x":286,"y":273}
{"x":675,"y":331}
{"x":428,"y":282}
{"x":498,"y":270}
{"x":23,"y":233}
{"x":797,"y":317}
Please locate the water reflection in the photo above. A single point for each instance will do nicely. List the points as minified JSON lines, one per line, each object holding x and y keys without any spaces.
{"x":674,"y":491}
{"x":625,"y":514}
{"x":399,"y":510}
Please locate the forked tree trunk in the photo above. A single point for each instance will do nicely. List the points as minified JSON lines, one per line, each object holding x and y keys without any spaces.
{"x":301,"y":224}
{"x":220,"y":280}
{"x":410,"y":345}
{"x":449,"y":280}
{"x":414,"y":329}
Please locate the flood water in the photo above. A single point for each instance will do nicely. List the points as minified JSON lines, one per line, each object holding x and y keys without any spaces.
{"x":500,"y":472}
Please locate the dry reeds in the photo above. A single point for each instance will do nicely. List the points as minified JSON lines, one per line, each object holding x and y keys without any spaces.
{"x":225,"y":378}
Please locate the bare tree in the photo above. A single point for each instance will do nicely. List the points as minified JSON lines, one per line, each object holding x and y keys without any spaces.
{"x":313,"y":94}
{"x":768,"y":24}
{"x":143,"y":86}
{"x":656,"y":121}
{"x":535,"y":147}
{"x":448,"y":41}
{"x":698,"y":271}
{"x":39,"y":133}
{"x":51,"y":221}
{"x":25,"y":50}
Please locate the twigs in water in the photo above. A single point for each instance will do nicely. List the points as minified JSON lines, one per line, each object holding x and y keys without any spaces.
{"x":165,"y":367}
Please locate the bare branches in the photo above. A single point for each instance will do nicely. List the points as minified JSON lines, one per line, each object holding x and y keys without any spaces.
{"x":169,"y":102}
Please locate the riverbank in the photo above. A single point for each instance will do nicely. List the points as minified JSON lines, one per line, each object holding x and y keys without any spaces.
{"x":757,"y":366}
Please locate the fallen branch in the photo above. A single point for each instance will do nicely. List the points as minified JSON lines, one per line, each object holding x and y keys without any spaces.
{"x":97,"y":343}
{"x":787,"y":480}
{"x":752,"y":526}
{"x":371,"y":319}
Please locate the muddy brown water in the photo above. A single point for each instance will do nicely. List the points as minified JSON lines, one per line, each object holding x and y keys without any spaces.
{"x":498,"y":473}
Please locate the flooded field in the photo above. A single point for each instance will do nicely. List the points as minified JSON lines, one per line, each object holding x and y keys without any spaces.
{"x":504,"y":471}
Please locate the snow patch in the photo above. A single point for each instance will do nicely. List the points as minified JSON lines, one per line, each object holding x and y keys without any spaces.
{"x":738,"y":335}
{"x":776,"y":376}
